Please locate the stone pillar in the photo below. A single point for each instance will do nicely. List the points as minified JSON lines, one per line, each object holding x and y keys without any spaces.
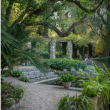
{"x":70,"y":49}
{"x":52,"y":48}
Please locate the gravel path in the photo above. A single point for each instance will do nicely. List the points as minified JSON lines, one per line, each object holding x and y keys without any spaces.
{"x":40,"y":96}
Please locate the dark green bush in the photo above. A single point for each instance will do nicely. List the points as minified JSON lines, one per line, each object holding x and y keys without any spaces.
{"x":64,"y":63}
{"x":45,"y":55}
{"x":105,"y":60}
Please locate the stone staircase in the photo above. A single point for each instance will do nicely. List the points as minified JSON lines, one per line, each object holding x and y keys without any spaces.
{"x":33,"y":74}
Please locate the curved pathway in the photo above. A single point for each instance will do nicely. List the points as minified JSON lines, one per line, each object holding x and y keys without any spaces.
{"x":41,"y":96}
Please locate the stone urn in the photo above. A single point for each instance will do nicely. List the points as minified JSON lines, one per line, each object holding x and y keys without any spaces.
{"x":66,"y":84}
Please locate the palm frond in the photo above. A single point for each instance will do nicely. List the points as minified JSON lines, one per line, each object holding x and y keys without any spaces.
{"x":6,"y":60}
{"x":8,"y":43}
{"x":29,"y":56}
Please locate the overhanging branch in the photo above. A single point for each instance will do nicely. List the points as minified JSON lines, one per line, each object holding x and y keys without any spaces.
{"x":85,"y":9}
{"x":57,"y":30}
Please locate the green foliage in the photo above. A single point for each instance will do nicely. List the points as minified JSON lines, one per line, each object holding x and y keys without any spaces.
{"x":105,"y":60}
{"x":63,"y":63}
{"x":98,"y":86}
{"x":67,"y":78}
{"x":10,"y":93}
{"x":17,"y":92}
{"x":10,"y":101}
{"x":16,"y":73}
{"x":91,"y":88}
{"x":45,"y":55}
{"x":13,"y":47}
{"x":12,"y":73}
{"x":75,"y":103}
{"x":6,"y":72}
{"x":24,"y":78}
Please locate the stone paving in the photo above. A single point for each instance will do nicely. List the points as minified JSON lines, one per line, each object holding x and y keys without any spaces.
{"x":41,"y":96}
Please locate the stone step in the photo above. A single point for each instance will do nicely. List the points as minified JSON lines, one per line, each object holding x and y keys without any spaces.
{"x":46,"y":80}
{"x":31,"y":73}
{"x":42,"y":78}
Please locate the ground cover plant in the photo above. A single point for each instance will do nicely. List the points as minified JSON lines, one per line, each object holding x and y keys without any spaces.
{"x":64,"y":63}
{"x":10,"y":94}
{"x":24,"y":78}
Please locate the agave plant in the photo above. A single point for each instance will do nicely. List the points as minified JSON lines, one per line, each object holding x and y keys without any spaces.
{"x":13,"y":46}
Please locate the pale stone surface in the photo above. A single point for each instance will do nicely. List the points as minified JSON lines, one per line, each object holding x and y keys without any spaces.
{"x":17,"y":105}
{"x":52,"y":48}
{"x":28,"y":76}
{"x":32,"y":76}
{"x":13,"y":106}
{"x":37,"y":72}
{"x":37,"y":75}
{"x":25,"y":70}
{"x":31,"y":72}
{"x":25,"y":73}
{"x":40,"y":96}
{"x":70,"y":49}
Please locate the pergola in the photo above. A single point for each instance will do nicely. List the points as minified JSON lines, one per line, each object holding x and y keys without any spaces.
{"x":53,"y":46}
{"x":69,"y":44}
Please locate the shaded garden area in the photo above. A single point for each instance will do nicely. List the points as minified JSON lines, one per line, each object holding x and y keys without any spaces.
{"x":70,"y":38}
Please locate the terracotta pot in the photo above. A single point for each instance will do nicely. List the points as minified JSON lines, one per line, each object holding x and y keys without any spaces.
{"x":66,"y":84}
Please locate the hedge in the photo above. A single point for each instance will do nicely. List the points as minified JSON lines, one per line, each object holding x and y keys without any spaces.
{"x":64,"y":63}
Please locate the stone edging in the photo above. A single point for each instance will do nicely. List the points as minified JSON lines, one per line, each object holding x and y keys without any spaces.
{"x":15,"y":106}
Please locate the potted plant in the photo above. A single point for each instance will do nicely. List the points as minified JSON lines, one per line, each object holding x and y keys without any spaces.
{"x":66,"y":79}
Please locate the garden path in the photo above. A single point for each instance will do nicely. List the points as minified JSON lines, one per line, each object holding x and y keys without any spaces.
{"x":41,"y":96}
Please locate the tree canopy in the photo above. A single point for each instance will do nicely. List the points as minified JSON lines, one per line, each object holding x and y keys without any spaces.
{"x":40,"y":12}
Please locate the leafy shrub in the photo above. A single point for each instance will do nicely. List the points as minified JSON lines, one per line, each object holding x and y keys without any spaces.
{"x":64,"y":63}
{"x":10,"y":94}
{"x":17,"y":92}
{"x":67,"y":78}
{"x":45,"y":55}
{"x":6,"y":72}
{"x":10,"y":101}
{"x":16,"y":73}
{"x":24,"y":78}
{"x":91,"y":88}
{"x":12,"y":73}
{"x":75,"y":103}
